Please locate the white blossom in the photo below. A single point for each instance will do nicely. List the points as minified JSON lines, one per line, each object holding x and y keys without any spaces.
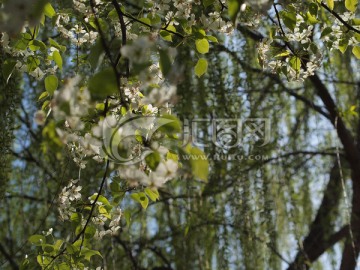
{"x":37,"y":73}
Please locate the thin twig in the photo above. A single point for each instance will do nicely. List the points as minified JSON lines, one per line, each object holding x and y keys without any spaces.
{"x":82,"y":232}
{"x":93,"y":205}
{"x":151,"y":27}
{"x":283,"y":32}
{"x":123,"y":34}
{"x":108,"y":54}
{"x":337,"y":16}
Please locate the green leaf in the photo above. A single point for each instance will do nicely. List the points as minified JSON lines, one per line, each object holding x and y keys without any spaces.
{"x":58,"y":244}
{"x":165,"y":62}
{"x":37,"y":239}
{"x":89,"y":232}
{"x":152,"y":193}
{"x":37,"y":44}
{"x":103,"y":84}
{"x":173,"y":156}
{"x":7,"y":69}
{"x":57,"y":59}
{"x":356,"y":51}
{"x":343,"y":44}
{"x":72,"y":249}
{"x":49,"y":11}
{"x":356,"y":21}
{"x":199,"y":163}
{"x":48,"y":248}
{"x":112,"y":15}
{"x":357,"y":36}
{"x":186,"y":231}
{"x":63,"y":266}
{"x":51,"y":84}
{"x":310,"y":18}
{"x":104,"y":211}
{"x":127,"y":215}
{"x":282,"y":54}
{"x":201,"y":67}
{"x":199,"y":33}
{"x":166,"y":35}
{"x":89,"y":253}
{"x":46,"y":103}
{"x":34,"y":31}
{"x":289,"y":19}
{"x":43,"y":95}
{"x":233,"y":9}
{"x":212,"y":38}
{"x":33,"y":63}
{"x":44,"y":261}
{"x":75,"y":218}
{"x":202,"y":45}
{"x":295,"y":63}
{"x":313,"y":9}
{"x":171,"y":28}
{"x":23,"y":42}
{"x":330,"y":4}
{"x":95,"y":52}
{"x":326,"y":32}
{"x":56,"y":45}
{"x":207,"y":3}
{"x":141,"y":198}
{"x":115,"y":187}
{"x":353,"y":111}
{"x":351,"y":5}
{"x":145,"y":20}
{"x":153,"y":160}
{"x":101,"y":199}
{"x":155,"y":18}
{"x":169,"y":124}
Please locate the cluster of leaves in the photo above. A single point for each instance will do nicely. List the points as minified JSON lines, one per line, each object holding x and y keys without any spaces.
{"x":292,"y":49}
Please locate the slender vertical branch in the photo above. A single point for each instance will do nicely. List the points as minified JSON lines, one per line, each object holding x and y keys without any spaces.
{"x":108,"y":54}
{"x":123,"y":33}
{"x":8,"y":257}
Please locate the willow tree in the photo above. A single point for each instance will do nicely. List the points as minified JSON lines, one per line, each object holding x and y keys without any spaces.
{"x":249,"y":108}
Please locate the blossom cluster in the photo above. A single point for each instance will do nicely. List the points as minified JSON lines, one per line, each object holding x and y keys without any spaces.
{"x":107,"y":221}
{"x":27,"y":58}
{"x":177,"y":12}
{"x":302,"y":32}
{"x":300,"y":56}
{"x":337,"y":35}
{"x":69,"y":195}
{"x":304,"y":66}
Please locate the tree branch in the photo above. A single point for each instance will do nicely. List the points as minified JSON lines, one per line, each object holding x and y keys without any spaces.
{"x":319,"y":238}
{"x":337,"y":16}
{"x":9,"y":258}
{"x":129,"y":252}
{"x":123,"y":35}
{"x":108,"y":54}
